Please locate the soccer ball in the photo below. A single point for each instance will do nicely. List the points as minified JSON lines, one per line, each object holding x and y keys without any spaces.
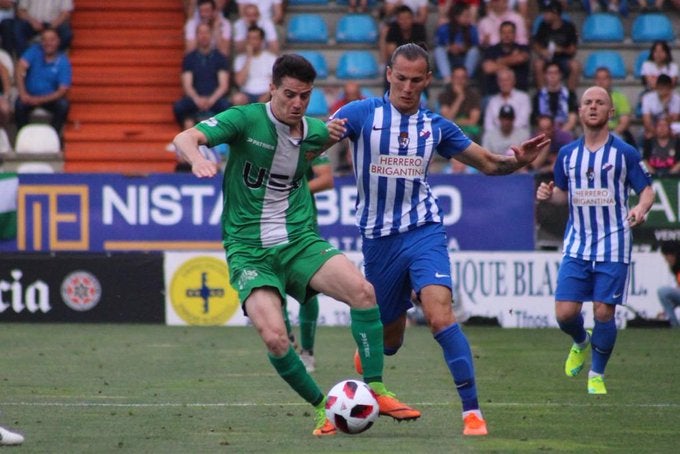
{"x":351,"y":406}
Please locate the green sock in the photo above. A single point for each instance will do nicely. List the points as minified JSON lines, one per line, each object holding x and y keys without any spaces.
{"x":367,"y":331}
{"x":309,"y":312}
{"x":291,"y":369}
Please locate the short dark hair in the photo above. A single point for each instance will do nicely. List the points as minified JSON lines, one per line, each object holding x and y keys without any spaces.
{"x":294,"y":66}
{"x":508,"y":23}
{"x":670,"y":247}
{"x":411,"y":52}
{"x":255,"y":28}
{"x":201,"y":2}
{"x":664,"y":80}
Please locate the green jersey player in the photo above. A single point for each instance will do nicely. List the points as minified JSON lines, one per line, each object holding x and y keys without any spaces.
{"x":271,"y":248}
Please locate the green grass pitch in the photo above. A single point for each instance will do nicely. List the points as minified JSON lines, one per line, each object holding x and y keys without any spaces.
{"x":155,"y":389}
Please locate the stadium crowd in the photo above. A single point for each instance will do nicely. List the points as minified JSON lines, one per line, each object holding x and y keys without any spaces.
{"x":505,"y":69}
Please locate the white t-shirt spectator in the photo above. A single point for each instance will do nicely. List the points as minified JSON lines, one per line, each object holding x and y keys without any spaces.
{"x":652,"y":105}
{"x":259,"y":74}
{"x":266,"y":7}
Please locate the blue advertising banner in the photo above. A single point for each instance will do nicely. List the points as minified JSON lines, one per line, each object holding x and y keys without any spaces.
{"x":480,"y":213}
{"x":109,"y":212}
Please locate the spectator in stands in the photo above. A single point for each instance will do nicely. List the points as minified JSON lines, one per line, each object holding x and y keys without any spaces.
{"x":270,"y":10}
{"x":508,"y":96}
{"x":619,"y":122}
{"x":227,"y":7}
{"x":500,"y":139}
{"x":457,"y":42}
{"x":220,"y":28}
{"x":351,"y":92}
{"x":507,"y":54}
{"x":388,"y":15}
{"x":358,"y":6}
{"x":556,"y":100}
{"x":545,"y":161}
{"x":205,"y":81}
{"x":7,"y":8}
{"x":669,"y":296}
{"x":490,"y":25}
{"x":661,"y":152}
{"x":460,"y":102}
{"x":43,"y":79}
{"x":660,"y":61}
{"x":403,"y":30}
{"x":556,"y":41}
{"x":662,"y":101}
{"x":251,"y":16}
{"x":646,"y":6}
{"x":34,"y":16}
{"x":253,"y":69}
{"x":5,"y":93}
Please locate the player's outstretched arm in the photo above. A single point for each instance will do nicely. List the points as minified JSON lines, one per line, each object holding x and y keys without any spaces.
{"x":187,"y":142}
{"x":494,"y":164}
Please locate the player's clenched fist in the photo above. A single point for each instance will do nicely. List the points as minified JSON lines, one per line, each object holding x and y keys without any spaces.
{"x":545,"y":191}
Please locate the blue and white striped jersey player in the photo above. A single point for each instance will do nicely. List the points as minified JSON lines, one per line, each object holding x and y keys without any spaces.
{"x":404,"y":241}
{"x":594,"y":175}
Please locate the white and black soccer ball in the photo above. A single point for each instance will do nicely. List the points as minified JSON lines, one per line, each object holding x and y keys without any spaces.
{"x":351,"y":406}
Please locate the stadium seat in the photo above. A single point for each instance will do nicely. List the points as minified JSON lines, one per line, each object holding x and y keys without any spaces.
{"x":35,"y":167}
{"x":652,"y":27}
{"x":357,"y":64}
{"x":37,"y":138}
{"x":356,"y":28}
{"x":307,"y":28}
{"x":317,"y":60}
{"x":639,"y":60}
{"x":599,"y":27}
{"x":610,"y":59}
{"x":318,"y":107}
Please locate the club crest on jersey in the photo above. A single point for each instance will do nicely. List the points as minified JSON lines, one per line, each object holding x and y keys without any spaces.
{"x":309,"y":156}
{"x":403,"y":139}
{"x":590,"y":174}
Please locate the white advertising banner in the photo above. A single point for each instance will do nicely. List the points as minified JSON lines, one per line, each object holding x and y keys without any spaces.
{"x":516,"y":288}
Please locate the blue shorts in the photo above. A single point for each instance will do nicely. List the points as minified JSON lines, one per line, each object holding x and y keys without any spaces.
{"x":583,"y":280}
{"x":397,"y":264}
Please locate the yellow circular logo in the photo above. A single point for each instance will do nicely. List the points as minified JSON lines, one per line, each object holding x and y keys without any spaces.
{"x":201,"y":294}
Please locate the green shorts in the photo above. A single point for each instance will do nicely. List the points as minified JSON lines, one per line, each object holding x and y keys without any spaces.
{"x":288,"y":268}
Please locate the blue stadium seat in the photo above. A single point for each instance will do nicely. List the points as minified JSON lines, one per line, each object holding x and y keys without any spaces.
{"x":599,"y":27}
{"x":317,"y":60}
{"x":318,"y":107}
{"x":307,"y":28}
{"x":356,"y":28}
{"x":651,"y":27}
{"x":357,"y":64}
{"x":610,"y":59}
{"x":639,"y":60}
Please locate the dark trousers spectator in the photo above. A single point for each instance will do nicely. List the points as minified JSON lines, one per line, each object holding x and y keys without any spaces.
{"x":187,"y":108}
{"x":59,"y":110}
{"x":7,"y":35}
{"x":24,"y":33}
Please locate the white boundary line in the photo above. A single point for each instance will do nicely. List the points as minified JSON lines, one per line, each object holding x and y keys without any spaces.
{"x":296,"y":404}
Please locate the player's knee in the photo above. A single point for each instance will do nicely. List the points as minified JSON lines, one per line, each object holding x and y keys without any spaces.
{"x":363,"y":296}
{"x":277,"y":343}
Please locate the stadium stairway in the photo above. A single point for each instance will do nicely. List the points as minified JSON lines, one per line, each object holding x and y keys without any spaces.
{"x":126,"y":58}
